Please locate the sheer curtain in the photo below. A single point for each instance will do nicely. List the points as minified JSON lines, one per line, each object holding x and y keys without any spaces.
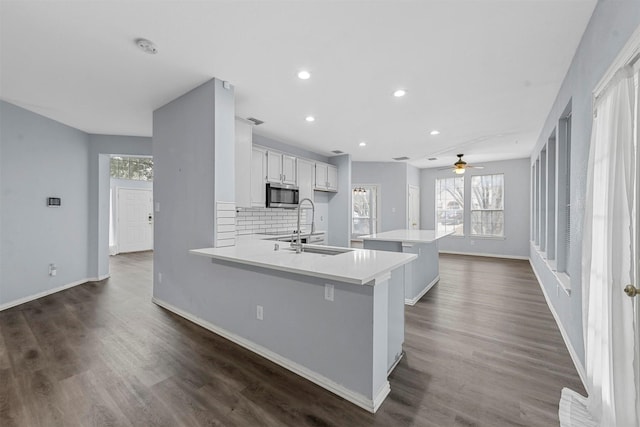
{"x":608,"y":265}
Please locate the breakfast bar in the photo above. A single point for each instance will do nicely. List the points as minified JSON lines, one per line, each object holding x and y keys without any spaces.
{"x":323,"y":313}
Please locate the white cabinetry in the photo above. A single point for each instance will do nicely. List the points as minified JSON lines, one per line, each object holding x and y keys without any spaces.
{"x":326,"y":177}
{"x":258,"y":174}
{"x":306,"y":179}
{"x":332,"y":178}
{"x":243,"y":140}
{"x":281,"y":168}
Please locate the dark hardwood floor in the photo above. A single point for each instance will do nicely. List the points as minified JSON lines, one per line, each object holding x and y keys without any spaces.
{"x":482,"y":349}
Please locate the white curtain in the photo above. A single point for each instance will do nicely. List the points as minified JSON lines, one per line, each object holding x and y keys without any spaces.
{"x":608,"y":265}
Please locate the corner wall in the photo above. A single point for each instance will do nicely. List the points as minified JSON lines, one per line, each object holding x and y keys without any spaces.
{"x":41,"y":158}
{"x":611,"y":25}
{"x":392,"y":179}
{"x":516,"y":210}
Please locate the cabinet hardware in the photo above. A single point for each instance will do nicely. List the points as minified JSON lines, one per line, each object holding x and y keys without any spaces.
{"x":631,"y":291}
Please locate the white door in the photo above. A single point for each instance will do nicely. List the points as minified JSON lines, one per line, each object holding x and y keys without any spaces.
{"x":135,"y":220}
{"x":414,"y":207}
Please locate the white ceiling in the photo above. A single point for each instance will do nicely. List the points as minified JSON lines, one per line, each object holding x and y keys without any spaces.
{"x":484,"y":73}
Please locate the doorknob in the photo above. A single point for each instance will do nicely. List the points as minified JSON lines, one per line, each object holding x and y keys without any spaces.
{"x":631,"y":291}
{"x":150,"y":218}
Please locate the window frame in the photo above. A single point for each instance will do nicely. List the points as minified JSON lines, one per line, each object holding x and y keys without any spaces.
{"x":438,"y":202}
{"x":472,"y":210}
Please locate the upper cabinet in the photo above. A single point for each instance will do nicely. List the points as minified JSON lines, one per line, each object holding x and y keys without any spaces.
{"x":258,"y":173}
{"x":306,"y":179}
{"x":281,"y":168}
{"x":326,"y":177}
{"x":243,"y":147}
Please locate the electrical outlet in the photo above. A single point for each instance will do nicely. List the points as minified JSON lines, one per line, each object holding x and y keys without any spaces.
{"x":159,"y":277}
{"x":53,"y":270}
{"x":328,"y":292}
{"x":157,"y":206}
{"x":259,"y":312}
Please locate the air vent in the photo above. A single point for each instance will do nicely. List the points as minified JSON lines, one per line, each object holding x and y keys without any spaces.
{"x":255,"y":121}
{"x":401,"y":158}
{"x":432,"y":158}
{"x":337,"y":152}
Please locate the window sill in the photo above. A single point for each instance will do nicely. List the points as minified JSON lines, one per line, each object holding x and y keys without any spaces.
{"x":487,"y":237}
{"x":563,"y":279}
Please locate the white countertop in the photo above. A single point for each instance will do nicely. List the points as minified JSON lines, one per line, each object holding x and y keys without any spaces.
{"x":357,"y":266}
{"x":408,"y":236}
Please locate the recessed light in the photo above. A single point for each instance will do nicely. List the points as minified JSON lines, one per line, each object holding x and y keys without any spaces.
{"x":434,"y":132}
{"x":363,"y":144}
{"x":304,"y":75}
{"x":147,"y":46}
{"x":399,"y":93}
{"x":310,"y":119}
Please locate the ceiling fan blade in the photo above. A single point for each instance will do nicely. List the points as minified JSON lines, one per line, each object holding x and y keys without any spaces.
{"x":446,"y":169}
{"x":475,"y":167}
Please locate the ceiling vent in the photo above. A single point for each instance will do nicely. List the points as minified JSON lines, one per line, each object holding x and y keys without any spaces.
{"x":255,"y":121}
{"x":337,"y":152}
{"x":432,"y":158}
{"x":401,"y":158}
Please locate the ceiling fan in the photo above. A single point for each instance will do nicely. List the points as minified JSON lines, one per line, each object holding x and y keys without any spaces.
{"x":460,"y":166}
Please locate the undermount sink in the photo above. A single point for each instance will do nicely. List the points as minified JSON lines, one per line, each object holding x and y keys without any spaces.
{"x":322,"y":251}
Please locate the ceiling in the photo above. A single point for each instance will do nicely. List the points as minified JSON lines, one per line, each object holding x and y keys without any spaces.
{"x":484,"y":73}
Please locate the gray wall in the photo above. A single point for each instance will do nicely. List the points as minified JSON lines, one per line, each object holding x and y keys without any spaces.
{"x":41,"y":158}
{"x":516,"y":210}
{"x":100,"y":149}
{"x":610,"y":27}
{"x":392,"y":179}
{"x":340,"y":209}
{"x":184,"y":151}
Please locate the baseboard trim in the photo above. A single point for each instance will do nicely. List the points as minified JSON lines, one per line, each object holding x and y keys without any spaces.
{"x":30,"y":298}
{"x":324,"y":382}
{"x":482,"y":254}
{"x":565,"y":337}
{"x":413,"y":301}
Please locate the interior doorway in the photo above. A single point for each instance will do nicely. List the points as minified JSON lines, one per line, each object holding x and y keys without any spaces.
{"x":131,"y":214}
{"x":414,"y":208}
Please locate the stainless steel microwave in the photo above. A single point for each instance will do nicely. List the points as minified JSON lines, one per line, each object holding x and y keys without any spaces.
{"x":282,"y":196}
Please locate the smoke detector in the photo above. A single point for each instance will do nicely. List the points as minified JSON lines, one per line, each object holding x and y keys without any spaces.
{"x":147,"y":46}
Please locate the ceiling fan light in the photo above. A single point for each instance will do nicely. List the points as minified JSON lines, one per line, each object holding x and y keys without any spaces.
{"x":459,"y":171}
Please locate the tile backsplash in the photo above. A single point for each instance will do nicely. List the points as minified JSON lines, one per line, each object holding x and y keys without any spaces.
{"x":267,"y":220}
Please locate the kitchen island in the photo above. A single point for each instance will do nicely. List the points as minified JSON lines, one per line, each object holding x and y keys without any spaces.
{"x":421,"y":275}
{"x":324,"y":316}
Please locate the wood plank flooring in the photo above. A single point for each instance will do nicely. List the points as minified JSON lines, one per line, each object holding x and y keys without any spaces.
{"x":482,"y":349}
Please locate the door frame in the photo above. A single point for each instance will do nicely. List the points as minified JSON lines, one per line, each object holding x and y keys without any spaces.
{"x":417,"y":188}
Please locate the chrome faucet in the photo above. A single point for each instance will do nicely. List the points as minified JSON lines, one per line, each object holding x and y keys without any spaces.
{"x":298,"y":245}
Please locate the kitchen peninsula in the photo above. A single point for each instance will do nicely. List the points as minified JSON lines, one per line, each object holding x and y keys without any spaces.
{"x":421,"y":275}
{"x":324,"y":316}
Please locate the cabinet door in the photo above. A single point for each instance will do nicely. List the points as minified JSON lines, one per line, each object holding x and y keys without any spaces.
{"x":305,"y":179}
{"x":332,"y":178}
{"x":274,"y":167}
{"x":258,"y":177}
{"x":243,"y":163}
{"x":321,"y":176}
{"x":288,"y":169}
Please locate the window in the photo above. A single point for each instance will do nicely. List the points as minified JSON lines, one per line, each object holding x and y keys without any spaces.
{"x":133,"y":168}
{"x":450,"y":205}
{"x":563,"y":253}
{"x":365,"y":210}
{"x":487,"y":205}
